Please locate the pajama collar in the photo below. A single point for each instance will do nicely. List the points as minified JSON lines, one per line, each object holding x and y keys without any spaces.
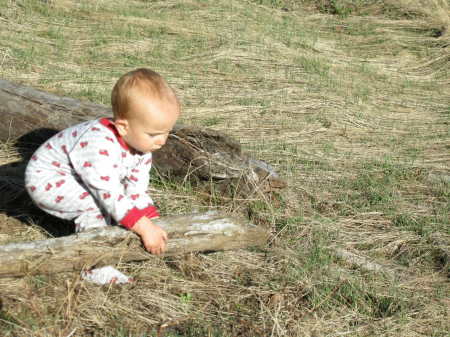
{"x":110,"y":125}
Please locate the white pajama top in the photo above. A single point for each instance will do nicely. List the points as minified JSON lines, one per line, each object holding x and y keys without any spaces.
{"x":94,"y":156}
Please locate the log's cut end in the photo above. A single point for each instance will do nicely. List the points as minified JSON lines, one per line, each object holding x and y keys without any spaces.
{"x":204,"y":232}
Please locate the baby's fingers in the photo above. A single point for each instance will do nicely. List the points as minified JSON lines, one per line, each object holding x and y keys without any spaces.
{"x":155,"y":250}
{"x":158,"y":249}
{"x":164,"y":245}
{"x":165,"y":237}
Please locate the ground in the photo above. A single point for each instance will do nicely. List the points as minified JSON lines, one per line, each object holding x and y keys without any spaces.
{"x":347,"y":100}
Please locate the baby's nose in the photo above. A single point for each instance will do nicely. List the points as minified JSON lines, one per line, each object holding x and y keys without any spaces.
{"x":161,"y":140}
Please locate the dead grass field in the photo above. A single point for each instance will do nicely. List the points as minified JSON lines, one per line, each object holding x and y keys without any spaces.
{"x":348,"y":100}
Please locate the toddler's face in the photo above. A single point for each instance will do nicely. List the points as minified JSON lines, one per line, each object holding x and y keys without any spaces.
{"x":149,"y":125}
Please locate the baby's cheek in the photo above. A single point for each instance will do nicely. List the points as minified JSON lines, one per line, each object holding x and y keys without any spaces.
{"x":148,"y":141}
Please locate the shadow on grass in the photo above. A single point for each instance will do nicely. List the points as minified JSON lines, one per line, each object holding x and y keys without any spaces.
{"x":15,"y":201}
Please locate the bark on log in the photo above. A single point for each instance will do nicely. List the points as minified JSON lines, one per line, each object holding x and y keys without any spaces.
{"x":30,"y":116}
{"x":26,"y":109}
{"x":187,"y":233}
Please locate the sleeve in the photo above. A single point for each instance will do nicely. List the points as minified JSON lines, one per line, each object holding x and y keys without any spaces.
{"x":97,"y":161}
{"x":137,"y":181}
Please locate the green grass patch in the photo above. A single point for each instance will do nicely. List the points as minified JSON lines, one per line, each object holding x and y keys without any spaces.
{"x":426,"y":224}
{"x":377,"y":186}
{"x":359,"y":296}
{"x":313,"y":65}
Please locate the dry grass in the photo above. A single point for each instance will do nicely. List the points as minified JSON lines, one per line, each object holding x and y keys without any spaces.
{"x":348,"y":100}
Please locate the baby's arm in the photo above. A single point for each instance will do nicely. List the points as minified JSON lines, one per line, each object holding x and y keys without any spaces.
{"x":138,"y":180}
{"x":95,"y":162}
{"x":153,"y":237}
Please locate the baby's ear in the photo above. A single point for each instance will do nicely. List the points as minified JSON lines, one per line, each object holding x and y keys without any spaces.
{"x":121,"y":126}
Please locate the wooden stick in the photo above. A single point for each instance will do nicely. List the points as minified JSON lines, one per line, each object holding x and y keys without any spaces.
{"x":187,"y":233}
{"x":361,"y":262}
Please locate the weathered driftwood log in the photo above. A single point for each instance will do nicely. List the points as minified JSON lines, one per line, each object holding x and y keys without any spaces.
{"x":30,"y":116}
{"x":187,"y":233}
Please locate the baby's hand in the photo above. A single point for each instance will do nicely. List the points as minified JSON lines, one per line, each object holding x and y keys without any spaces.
{"x":153,"y":237}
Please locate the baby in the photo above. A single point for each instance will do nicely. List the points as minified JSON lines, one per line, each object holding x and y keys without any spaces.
{"x":97,"y":172}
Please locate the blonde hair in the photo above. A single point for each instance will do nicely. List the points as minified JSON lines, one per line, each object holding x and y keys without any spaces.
{"x":145,"y":82}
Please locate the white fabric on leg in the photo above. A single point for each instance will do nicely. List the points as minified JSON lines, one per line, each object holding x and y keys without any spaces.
{"x":91,"y":219}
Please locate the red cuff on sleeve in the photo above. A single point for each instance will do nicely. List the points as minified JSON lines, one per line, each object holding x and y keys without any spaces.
{"x":135,"y":214}
{"x":152,"y":212}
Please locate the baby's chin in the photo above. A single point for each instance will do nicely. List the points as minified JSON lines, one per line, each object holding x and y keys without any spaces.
{"x":146,"y":151}
{"x":151,"y":150}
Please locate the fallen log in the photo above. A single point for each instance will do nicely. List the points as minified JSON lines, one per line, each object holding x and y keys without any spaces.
{"x":209,"y":231}
{"x":191,"y":154}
